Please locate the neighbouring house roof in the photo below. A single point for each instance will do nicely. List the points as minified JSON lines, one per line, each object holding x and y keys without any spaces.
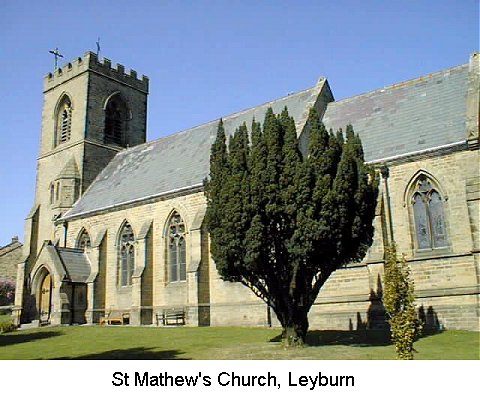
{"x":13,"y":245}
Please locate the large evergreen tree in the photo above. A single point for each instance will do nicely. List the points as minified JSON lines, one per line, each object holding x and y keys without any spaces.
{"x":281,"y":222}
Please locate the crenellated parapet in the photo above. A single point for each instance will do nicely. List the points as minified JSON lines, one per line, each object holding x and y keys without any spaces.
{"x":90,"y":62}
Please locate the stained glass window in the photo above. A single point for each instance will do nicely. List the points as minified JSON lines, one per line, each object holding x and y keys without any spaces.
{"x":177,"y":255}
{"x":428,"y":214}
{"x":127,"y":255}
{"x":84,"y":240}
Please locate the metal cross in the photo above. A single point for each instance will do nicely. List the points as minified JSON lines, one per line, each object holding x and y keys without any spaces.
{"x":57,"y":55}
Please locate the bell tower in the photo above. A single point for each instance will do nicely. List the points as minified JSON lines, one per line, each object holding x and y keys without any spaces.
{"x":91,"y":111}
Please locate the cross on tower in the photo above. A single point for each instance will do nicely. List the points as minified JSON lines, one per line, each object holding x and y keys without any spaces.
{"x":57,"y":55}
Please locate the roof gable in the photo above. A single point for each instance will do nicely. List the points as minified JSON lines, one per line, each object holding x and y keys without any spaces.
{"x":180,"y":161}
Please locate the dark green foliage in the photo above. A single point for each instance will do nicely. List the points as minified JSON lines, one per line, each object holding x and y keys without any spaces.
{"x":281,"y":222}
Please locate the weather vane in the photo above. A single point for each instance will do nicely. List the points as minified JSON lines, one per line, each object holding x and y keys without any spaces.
{"x":98,"y":46}
{"x":57,"y":55}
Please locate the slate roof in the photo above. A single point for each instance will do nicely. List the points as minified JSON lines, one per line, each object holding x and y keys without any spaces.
{"x":76,"y":263}
{"x":178,"y":161}
{"x":412,"y":116}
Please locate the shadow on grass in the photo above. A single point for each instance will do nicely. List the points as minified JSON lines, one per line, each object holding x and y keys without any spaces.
{"x":135,"y":353}
{"x":358,"y":338}
{"x":345,"y":338}
{"x":9,"y":339}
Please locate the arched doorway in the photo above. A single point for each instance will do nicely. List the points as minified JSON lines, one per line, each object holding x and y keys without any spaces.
{"x":45,"y":301}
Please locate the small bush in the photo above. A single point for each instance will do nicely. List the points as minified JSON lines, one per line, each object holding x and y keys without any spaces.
{"x":7,"y":292}
{"x":7,"y":325}
{"x":399,"y":304}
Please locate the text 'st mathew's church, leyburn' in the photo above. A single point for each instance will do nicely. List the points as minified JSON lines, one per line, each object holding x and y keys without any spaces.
{"x":117,"y":223}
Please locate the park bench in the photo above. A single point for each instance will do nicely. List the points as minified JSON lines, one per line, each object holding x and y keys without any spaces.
{"x":115,"y":318}
{"x":171,"y":316}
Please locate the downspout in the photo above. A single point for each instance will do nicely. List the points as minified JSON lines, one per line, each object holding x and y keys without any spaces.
{"x":65,"y":230}
{"x":384,"y":171}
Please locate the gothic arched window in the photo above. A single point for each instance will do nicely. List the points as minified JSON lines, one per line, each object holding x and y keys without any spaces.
{"x":83,"y":241}
{"x":126,"y":255}
{"x":428,"y":215}
{"x":176,"y":247}
{"x":115,"y":121}
{"x":63,"y":125}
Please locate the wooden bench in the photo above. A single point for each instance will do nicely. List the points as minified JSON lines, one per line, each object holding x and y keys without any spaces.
{"x":115,"y":318}
{"x":172,"y":316}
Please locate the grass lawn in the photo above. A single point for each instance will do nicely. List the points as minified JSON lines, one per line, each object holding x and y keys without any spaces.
{"x":215,"y":343}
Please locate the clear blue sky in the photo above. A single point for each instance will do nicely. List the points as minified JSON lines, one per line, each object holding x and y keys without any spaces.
{"x":207,"y":59}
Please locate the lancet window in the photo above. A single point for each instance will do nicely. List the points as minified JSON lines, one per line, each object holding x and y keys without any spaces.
{"x":126,"y":255}
{"x":63,"y":126}
{"x":115,"y":121}
{"x":176,"y":247}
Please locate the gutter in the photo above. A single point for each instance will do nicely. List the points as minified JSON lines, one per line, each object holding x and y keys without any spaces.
{"x":129,"y":202}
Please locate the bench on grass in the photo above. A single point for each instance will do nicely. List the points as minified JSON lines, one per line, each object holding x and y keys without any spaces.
{"x":115,"y":318}
{"x":171,"y":316}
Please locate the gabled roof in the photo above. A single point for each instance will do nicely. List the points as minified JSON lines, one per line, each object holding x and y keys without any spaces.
{"x":398,"y":120}
{"x":413,"y":116}
{"x":180,"y":161}
{"x":76,"y":263}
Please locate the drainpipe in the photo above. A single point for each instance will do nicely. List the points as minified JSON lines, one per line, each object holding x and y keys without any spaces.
{"x":65,"y":230}
{"x":384,"y":171}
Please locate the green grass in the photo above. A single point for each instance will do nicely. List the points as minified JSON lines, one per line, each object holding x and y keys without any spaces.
{"x":120,"y":342}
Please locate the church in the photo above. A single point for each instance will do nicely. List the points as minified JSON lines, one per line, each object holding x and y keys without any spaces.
{"x":116,"y":230}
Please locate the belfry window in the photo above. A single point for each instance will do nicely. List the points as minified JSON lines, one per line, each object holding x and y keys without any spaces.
{"x":428,"y":214}
{"x":83,"y":241}
{"x":126,"y":255}
{"x":115,"y":121}
{"x":176,"y":247}
{"x":63,"y":126}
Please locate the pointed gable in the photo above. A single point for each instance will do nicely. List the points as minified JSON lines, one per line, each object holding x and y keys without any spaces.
{"x":181,"y":161}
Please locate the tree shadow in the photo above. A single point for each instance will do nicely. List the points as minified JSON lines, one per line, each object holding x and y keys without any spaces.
{"x":359,"y":338}
{"x":15,"y":338}
{"x":374,"y":330}
{"x":134,"y":353}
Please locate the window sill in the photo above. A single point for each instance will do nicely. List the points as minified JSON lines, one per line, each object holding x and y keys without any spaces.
{"x":176,"y":283}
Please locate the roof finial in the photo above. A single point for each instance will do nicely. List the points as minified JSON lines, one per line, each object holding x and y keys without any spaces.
{"x":98,"y":47}
{"x":57,"y":55}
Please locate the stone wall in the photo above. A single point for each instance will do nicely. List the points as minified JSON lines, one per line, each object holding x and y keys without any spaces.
{"x":10,"y":256}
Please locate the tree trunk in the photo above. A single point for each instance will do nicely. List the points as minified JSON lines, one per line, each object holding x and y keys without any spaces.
{"x":295,"y":329}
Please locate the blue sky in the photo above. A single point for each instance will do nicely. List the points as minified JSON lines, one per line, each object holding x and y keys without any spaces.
{"x":207,"y":59}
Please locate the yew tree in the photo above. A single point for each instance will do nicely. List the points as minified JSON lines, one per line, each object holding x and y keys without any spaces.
{"x":280,"y":222}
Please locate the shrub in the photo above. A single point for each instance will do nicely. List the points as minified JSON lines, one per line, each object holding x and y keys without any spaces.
{"x":7,"y":325}
{"x":398,"y":300}
{"x":7,"y":292}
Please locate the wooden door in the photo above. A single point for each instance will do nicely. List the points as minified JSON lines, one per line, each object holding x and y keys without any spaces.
{"x":45,"y":299}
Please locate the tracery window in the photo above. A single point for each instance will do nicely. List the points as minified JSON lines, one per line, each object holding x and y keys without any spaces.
{"x":64,"y":121}
{"x":83,"y":241}
{"x":428,"y":214}
{"x":126,"y":255}
{"x":176,"y":245}
{"x":115,"y":121}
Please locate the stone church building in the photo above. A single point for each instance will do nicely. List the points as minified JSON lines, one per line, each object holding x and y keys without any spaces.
{"x":117,"y":222}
